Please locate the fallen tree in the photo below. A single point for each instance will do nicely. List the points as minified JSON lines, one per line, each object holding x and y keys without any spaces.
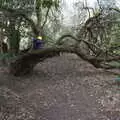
{"x":24,"y":64}
{"x":88,"y":35}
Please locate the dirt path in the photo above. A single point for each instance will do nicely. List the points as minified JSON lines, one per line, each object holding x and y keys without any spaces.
{"x":61,"y":88}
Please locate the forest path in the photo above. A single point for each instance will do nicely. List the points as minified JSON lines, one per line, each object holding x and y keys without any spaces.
{"x":61,"y":88}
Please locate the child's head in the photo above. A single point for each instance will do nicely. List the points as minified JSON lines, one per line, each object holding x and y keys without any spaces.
{"x":39,"y":37}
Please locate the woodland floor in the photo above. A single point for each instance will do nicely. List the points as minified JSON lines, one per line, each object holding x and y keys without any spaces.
{"x":61,"y":88}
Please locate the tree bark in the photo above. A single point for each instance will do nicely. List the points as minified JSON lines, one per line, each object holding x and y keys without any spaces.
{"x":25,"y":63}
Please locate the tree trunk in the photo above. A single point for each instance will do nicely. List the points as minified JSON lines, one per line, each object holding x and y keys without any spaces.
{"x":25,"y":63}
{"x":14,"y":37}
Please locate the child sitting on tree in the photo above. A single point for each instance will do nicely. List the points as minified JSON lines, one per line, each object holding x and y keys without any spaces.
{"x":38,"y":43}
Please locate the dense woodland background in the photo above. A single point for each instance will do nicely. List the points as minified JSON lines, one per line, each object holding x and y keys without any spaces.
{"x":76,"y":76}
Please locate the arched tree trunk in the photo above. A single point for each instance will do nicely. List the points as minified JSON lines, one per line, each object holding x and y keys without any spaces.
{"x":24,"y":64}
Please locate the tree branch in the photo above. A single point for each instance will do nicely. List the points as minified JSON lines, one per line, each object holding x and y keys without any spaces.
{"x":46,"y":16}
{"x":20,"y":13}
{"x":25,"y":63}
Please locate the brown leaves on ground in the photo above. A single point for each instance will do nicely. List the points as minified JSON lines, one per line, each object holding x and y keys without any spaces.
{"x":61,"y":88}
